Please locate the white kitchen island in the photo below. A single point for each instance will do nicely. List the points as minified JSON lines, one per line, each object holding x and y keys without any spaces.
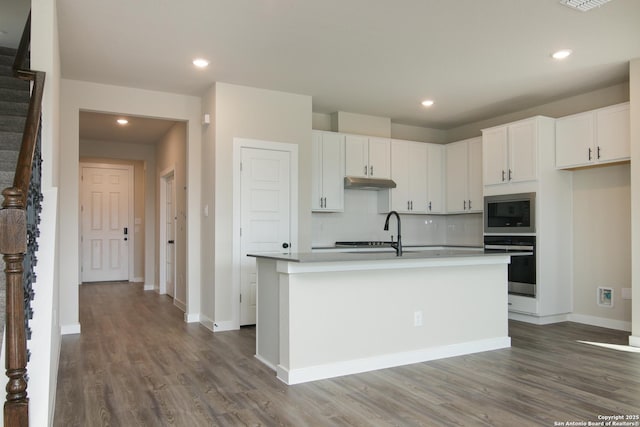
{"x":321,"y":315}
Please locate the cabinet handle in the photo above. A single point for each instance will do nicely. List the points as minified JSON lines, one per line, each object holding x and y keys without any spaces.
{"x":589,"y":153}
{"x":509,"y":174}
{"x":429,"y":205}
{"x":371,"y":170}
{"x":365,"y":169}
{"x":412,"y":205}
{"x":464,"y":205}
{"x":598,"y":152}
{"x":408,"y":205}
{"x":503,"y":176}
{"x":321,"y":202}
{"x":469,"y":204}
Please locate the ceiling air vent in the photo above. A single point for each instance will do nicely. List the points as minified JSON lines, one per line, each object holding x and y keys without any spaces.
{"x":583,"y":5}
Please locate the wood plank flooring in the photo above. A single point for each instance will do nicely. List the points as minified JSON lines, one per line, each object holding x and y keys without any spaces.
{"x":137,"y":363}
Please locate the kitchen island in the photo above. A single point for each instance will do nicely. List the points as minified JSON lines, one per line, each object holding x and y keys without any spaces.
{"x":321,"y":315}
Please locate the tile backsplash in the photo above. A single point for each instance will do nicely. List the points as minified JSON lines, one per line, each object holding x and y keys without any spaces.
{"x":361,"y":221}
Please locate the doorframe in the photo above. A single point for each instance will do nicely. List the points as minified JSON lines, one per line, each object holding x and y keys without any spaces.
{"x":162,"y":254}
{"x":130,"y":215}
{"x":238,"y":145}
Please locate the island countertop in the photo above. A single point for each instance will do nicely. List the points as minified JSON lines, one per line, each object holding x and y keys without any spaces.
{"x":376,"y":255}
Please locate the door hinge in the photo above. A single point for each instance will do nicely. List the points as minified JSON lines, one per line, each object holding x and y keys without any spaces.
{"x":240,"y":166}
{"x":240,"y":298}
{"x":240,"y":231}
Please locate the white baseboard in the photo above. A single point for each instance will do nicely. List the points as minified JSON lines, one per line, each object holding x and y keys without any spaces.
{"x":224,"y":326}
{"x":70,"y":329}
{"x":538,"y":320}
{"x":149,"y":286}
{"x":192,"y":317}
{"x":138,"y":279}
{"x":602,"y":322}
{"x":330,"y":370}
{"x":634,"y":341}
{"x":180,"y":304}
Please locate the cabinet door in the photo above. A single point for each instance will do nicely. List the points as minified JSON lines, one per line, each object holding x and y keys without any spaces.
{"x":574,"y":140}
{"x":356,"y":156}
{"x":494,"y":156}
{"x":400,"y":175}
{"x":523,"y":151}
{"x":332,"y":171}
{"x":417,"y":165}
{"x":456,"y":170}
{"x":316,"y":171}
{"x":435,"y":178}
{"x":476,"y":201}
{"x":379,"y":158}
{"x":612,"y":134}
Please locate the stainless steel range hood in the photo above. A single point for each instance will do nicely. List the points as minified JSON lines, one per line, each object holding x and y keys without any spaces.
{"x":357,"y":183}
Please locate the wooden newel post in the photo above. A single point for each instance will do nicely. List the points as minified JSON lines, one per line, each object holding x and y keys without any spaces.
{"x":13,"y":244}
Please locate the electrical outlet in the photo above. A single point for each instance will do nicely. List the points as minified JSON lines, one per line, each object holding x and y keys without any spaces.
{"x":417,"y":318}
{"x":626,"y":293}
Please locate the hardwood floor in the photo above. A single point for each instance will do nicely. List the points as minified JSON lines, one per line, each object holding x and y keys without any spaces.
{"x":137,"y":363}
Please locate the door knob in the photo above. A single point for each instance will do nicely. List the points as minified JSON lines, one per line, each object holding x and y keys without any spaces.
{"x":171,"y":241}
{"x":285,"y":245}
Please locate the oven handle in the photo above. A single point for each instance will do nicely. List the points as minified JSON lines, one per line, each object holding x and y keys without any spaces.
{"x":509,"y":247}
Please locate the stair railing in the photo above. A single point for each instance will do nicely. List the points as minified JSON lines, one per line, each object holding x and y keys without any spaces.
{"x":15,"y":243}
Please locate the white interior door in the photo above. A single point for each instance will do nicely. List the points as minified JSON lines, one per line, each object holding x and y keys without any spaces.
{"x":105,"y":224}
{"x":265,"y":189}
{"x":170,"y":233}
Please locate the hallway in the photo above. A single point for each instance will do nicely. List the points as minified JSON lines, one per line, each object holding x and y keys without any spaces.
{"x":137,"y":363}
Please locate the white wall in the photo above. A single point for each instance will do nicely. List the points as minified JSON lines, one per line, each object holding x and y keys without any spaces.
{"x":634,"y":78}
{"x":251,"y":113}
{"x":602,"y":243}
{"x":563,"y":107}
{"x":45,"y":340}
{"x":76,"y":96}
{"x":171,"y":153}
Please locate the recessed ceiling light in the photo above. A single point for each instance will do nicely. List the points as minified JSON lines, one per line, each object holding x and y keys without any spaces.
{"x":562,"y":54}
{"x":200,"y":63}
{"x":122,"y":121}
{"x":427,"y":103}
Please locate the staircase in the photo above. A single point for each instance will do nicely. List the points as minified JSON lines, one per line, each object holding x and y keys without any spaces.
{"x":14,"y":103}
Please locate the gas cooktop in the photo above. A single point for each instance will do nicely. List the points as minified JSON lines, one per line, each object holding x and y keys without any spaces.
{"x":364,"y":244}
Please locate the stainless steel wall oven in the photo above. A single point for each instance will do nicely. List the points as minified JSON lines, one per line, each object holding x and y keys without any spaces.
{"x":522,"y":270}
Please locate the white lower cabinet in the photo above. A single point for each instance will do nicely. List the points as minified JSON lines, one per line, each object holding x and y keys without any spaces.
{"x":464,"y":176}
{"x":594,"y":137}
{"x":327,"y":172}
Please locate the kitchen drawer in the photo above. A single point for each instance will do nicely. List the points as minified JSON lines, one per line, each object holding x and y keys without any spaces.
{"x":522,"y":304}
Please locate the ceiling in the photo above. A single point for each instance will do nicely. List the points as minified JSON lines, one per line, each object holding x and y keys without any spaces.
{"x":139,"y":130}
{"x":476,"y":59}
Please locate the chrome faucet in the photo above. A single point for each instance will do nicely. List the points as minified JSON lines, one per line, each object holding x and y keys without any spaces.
{"x":398,"y":244}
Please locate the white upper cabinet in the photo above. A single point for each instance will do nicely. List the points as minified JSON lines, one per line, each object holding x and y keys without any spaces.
{"x":367,"y":157}
{"x":435,"y":178}
{"x":464,"y":176}
{"x":510,"y":153}
{"x":327,"y":172}
{"x":409,"y":172}
{"x":594,"y":137}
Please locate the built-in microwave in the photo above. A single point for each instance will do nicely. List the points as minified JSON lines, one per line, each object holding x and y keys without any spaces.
{"x":510,"y":213}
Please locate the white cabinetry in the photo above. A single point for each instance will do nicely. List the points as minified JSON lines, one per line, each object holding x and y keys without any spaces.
{"x":417,"y":170}
{"x":409,"y":171}
{"x":435,"y":178}
{"x":367,"y":157}
{"x":464,"y":176}
{"x":327,"y":172}
{"x":594,"y":137}
{"x":509,"y":152}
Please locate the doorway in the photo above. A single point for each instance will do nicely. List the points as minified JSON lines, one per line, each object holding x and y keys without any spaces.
{"x":265,"y":194}
{"x":168,"y":218}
